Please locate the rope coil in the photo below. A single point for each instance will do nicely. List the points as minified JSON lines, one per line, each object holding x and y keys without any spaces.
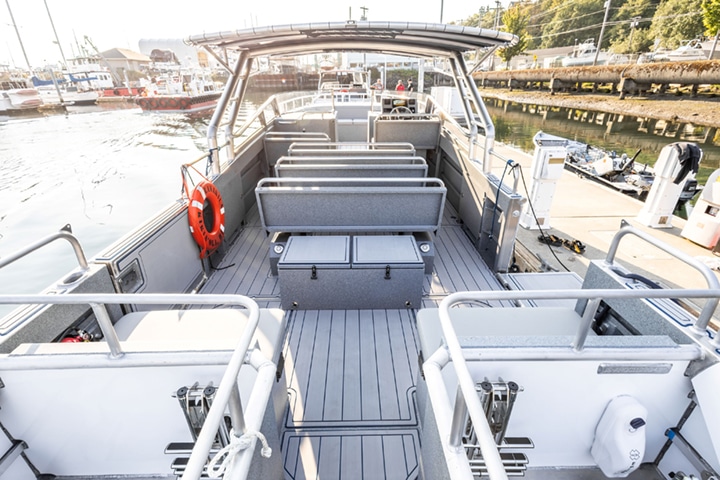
{"x":236,"y":446}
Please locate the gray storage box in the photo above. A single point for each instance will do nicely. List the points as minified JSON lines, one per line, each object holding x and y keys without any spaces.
{"x":313,"y":271}
{"x":388,"y":271}
{"x":319,"y":272}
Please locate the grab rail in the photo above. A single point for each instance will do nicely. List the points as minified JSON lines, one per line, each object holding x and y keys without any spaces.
{"x":228,"y":384}
{"x":466,"y":384}
{"x":63,"y":234}
{"x":707,"y":311}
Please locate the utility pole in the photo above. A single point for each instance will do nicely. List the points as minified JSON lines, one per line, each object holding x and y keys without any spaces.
{"x":363,"y":16}
{"x":602,"y":31}
{"x":634,"y":22}
{"x":495,"y":27}
{"x":714,"y":44}
{"x":442,"y":7}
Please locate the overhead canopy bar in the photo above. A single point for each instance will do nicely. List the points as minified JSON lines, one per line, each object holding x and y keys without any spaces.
{"x":398,"y":38}
{"x":403,"y":38}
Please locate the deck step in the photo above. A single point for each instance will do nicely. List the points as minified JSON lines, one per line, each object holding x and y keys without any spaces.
{"x":185,"y":448}
{"x":179,"y":465}
{"x":515,"y":464}
{"x":516,"y":442}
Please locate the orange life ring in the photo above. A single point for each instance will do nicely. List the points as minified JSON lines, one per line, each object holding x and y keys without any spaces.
{"x":206,"y":216}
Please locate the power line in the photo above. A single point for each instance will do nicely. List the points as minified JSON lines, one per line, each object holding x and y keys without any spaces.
{"x":565,"y":19}
{"x":616,"y":22}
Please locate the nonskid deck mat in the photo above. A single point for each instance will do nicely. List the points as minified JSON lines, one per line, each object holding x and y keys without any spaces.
{"x":351,"y":368}
{"x":390,"y":454}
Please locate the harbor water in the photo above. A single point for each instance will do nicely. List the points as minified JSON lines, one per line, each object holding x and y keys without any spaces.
{"x":516,"y":127}
{"x":101,"y":171}
{"x":105,"y":171}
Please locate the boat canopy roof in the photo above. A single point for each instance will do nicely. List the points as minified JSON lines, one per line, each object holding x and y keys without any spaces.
{"x":402,"y":38}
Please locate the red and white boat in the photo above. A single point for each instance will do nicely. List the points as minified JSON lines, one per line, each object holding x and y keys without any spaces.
{"x":180,"y":93}
{"x":178,"y":103}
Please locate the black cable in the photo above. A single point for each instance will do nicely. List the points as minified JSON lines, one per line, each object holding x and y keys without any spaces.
{"x":217,"y":269}
{"x":542,"y":233}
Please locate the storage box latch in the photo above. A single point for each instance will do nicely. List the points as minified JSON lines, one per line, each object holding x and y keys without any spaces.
{"x":313,"y":274}
{"x":387,"y":272}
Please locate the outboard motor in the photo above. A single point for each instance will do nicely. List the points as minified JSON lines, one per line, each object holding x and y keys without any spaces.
{"x":677,"y":163}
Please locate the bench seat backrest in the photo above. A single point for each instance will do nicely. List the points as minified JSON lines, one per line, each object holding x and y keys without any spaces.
{"x":350,"y":205}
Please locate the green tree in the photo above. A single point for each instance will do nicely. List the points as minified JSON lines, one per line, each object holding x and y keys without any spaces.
{"x":515,"y":21}
{"x":677,"y":20}
{"x":631,"y":33}
{"x":485,"y":18}
{"x":568,"y":23}
{"x":711,"y":16}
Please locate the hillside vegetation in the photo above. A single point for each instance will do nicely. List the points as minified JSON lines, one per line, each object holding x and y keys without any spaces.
{"x":632,"y":26}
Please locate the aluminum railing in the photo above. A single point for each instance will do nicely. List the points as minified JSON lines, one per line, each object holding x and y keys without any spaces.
{"x":712,"y":280}
{"x":63,"y":234}
{"x":455,"y":353}
{"x":227,"y":392}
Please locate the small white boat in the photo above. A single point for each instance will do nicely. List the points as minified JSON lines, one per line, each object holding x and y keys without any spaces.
{"x":584,"y":54}
{"x":620,"y":171}
{"x":688,"y":50}
{"x":315,"y":306}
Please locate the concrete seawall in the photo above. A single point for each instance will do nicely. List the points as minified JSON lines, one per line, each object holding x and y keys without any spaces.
{"x":625,"y":79}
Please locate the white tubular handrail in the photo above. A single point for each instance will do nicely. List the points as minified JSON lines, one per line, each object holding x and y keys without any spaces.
{"x":712,"y":280}
{"x":255,"y":410}
{"x":229,"y":380}
{"x":458,"y":467}
{"x":486,"y":441}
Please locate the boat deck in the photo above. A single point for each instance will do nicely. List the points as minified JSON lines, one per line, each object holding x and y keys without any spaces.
{"x":351,"y":373}
{"x":245,"y":269}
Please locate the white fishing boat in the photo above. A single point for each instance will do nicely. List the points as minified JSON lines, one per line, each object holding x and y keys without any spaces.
{"x":584,"y":54}
{"x":623,"y":173}
{"x":293,"y":315}
{"x":180,"y":91}
{"x":688,"y":50}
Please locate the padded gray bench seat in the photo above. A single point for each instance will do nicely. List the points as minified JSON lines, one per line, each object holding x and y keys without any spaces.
{"x":422,"y":130}
{"x":496,"y":322}
{"x":359,"y":205}
{"x":181,"y":330}
{"x":351,"y":148}
{"x":524,"y":328}
{"x":354,"y":159}
{"x":276,"y":144}
{"x":333,"y":170}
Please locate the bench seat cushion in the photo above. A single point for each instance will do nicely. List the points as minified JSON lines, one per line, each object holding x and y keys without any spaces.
{"x":496,"y":322}
{"x":181,"y":330}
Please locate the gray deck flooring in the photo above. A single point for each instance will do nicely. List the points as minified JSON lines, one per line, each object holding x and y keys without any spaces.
{"x":351,"y":373}
{"x":245,"y":268}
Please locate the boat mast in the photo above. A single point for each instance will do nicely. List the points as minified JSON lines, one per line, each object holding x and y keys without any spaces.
{"x":22,"y":47}
{"x":57,"y":40}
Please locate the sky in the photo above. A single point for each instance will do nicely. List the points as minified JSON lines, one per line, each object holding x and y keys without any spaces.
{"x":122,"y":24}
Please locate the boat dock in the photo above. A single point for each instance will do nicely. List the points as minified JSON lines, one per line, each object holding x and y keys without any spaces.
{"x":591,"y":213}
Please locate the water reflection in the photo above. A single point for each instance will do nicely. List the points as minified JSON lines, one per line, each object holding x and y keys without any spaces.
{"x":514,"y":126}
